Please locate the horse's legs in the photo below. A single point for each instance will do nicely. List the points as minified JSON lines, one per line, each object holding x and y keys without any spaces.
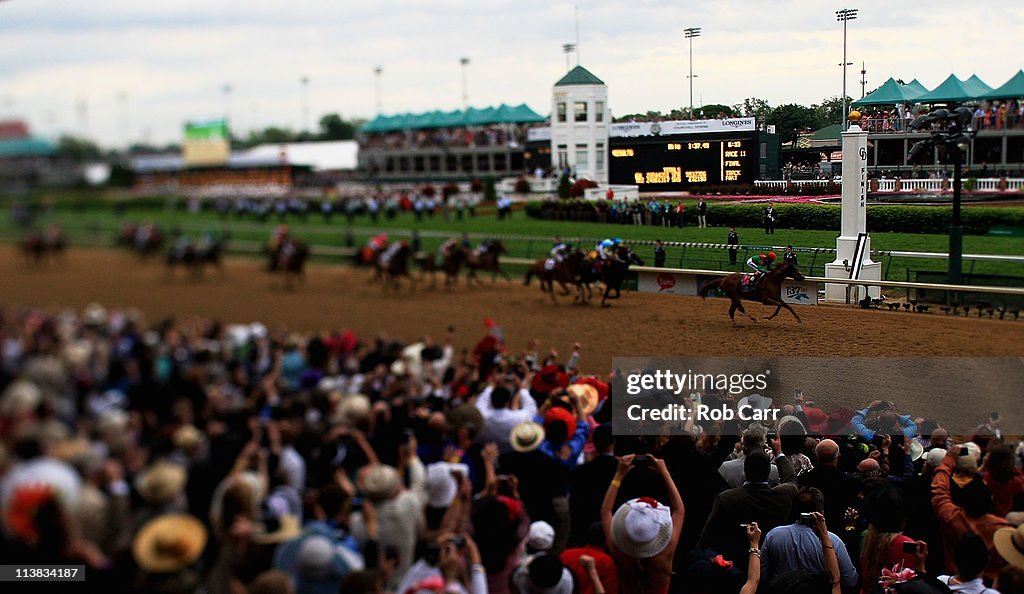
{"x":743,"y":310}
{"x":778,"y":307}
{"x":604,"y":298}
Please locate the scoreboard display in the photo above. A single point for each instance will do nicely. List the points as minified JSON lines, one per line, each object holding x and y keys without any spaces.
{"x":680,"y":164}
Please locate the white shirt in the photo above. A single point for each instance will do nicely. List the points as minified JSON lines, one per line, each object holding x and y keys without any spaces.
{"x":498,"y":422}
{"x":975,"y":586}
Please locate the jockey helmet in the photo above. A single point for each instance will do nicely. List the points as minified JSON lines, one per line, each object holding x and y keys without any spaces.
{"x":771,"y":256}
{"x":617,"y":240}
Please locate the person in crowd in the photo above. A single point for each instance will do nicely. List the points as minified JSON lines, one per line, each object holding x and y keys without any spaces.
{"x":733,"y":240}
{"x":659,"y":254}
{"x":789,"y":256}
{"x":643,"y":533}
{"x":702,"y":213}
{"x":769,"y":220}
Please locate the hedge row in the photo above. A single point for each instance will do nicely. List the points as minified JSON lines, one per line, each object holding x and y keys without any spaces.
{"x":977,"y":220}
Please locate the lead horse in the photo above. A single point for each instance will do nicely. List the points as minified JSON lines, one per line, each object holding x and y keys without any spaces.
{"x":768,"y":291}
{"x":613,"y":272}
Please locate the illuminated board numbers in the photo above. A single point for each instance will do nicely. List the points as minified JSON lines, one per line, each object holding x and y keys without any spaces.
{"x":675,"y":146}
{"x":626,"y":152}
{"x":732,"y":175}
{"x":668,"y":175}
{"x":698,"y":145}
{"x":734,"y":144}
{"x":696,"y":176}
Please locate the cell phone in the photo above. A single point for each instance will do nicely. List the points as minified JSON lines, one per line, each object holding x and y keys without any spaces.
{"x":459,"y":541}
{"x":965,"y":451}
{"x":910,"y":548}
{"x":807,"y":519}
{"x":744,"y":525}
{"x":642,"y":460}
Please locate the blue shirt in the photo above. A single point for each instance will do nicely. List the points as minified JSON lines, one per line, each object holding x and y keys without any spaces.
{"x":575,"y":443}
{"x":857,"y":422}
{"x":796,"y":547}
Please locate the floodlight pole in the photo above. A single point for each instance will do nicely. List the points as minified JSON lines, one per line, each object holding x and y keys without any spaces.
{"x":465,"y":94}
{"x":844,"y":15}
{"x":690,"y":33}
{"x":377,"y":72}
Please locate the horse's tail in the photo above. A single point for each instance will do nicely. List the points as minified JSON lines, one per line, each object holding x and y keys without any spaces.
{"x":706,"y":288}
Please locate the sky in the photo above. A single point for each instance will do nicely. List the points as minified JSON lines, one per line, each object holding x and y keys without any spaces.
{"x":120,"y":71}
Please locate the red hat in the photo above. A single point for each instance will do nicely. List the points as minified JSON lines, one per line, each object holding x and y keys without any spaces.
{"x":601,"y":387}
{"x":549,"y":378}
{"x":488,"y":322}
{"x":560,"y":415}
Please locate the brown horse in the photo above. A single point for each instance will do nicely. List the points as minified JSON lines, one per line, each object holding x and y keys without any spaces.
{"x":768,"y":291}
{"x":395,"y":267}
{"x":450,"y":265}
{"x":564,"y":273}
{"x":486,"y":258}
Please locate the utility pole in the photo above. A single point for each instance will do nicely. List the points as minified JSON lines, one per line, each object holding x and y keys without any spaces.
{"x":844,"y":15}
{"x":690,"y":33}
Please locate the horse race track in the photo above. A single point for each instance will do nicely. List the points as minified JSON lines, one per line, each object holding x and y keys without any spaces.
{"x":637,"y":325}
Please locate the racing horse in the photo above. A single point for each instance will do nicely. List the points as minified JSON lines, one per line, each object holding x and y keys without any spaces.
{"x":738,"y":286}
{"x":548,"y":272}
{"x":450,"y":265}
{"x":40,"y":245}
{"x":613,"y":272}
{"x":486,"y":258}
{"x":196,"y":257}
{"x":393,"y":264}
{"x":289,"y":257}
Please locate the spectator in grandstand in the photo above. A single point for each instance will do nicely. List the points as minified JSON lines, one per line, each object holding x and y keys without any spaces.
{"x":504,"y":406}
{"x":806,"y":545}
{"x":971,"y":557}
{"x":586,"y":484}
{"x":733,"y":240}
{"x":702,"y":213}
{"x":1003,"y":479}
{"x":881,"y":418}
{"x":840,"y":489}
{"x":971,"y":513}
{"x":754,"y":501}
{"x":659,"y":254}
{"x":591,"y":564}
{"x":752,"y":440}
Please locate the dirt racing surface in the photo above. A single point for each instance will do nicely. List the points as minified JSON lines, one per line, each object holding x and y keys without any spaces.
{"x":636,"y":325}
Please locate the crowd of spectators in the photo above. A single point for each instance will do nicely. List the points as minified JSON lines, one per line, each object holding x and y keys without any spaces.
{"x":472,"y":136}
{"x":654,"y":212}
{"x":192,"y":456}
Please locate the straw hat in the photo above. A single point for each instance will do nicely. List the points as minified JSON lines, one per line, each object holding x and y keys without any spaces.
{"x":588,"y":396}
{"x":288,"y":528}
{"x":526,"y":436}
{"x":380,"y":481}
{"x":162,"y":483}
{"x":169,"y":543}
{"x":1010,"y":545}
{"x":353,"y":409}
{"x":642,"y":527}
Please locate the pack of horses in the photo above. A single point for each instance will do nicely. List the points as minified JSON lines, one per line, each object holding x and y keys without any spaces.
{"x":393,"y":263}
{"x":582,"y":270}
{"x":287,"y":257}
{"x":195,"y":257}
{"x":146,"y":240}
{"x":43,"y":246}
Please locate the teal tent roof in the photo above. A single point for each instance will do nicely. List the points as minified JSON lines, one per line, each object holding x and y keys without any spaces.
{"x":579,"y":76}
{"x":890,"y":93}
{"x":915,"y":85}
{"x":951,"y":89}
{"x":976,"y":86}
{"x":503,"y":114}
{"x":1012,"y":89}
{"x":26,"y":147}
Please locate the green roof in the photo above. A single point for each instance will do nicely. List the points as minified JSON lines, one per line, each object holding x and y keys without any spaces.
{"x":916,"y":85}
{"x":976,"y":86}
{"x":832,"y":132}
{"x":1012,"y":89}
{"x":951,"y":89}
{"x":26,"y":147}
{"x":890,"y":93}
{"x":579,"y":76}
{"x":503,"y":114}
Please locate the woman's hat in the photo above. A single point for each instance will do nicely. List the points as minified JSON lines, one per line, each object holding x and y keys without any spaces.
{"x":316,"y":563}
{"x":169,"y":543}
{"x":588,"y":396}
{"x":162,"y":483}
{"x":440,"y":484}
{"x":642,"y":527}
{"x":526,"y":436}
{"x":380,"y":481}
{"x":1010,"y":545}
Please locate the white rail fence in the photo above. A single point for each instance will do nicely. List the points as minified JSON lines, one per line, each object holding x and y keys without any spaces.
{"x":989,"y":184}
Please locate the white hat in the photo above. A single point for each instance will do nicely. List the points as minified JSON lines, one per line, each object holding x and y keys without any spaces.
{"x":642,"y":527}
{"x":935,"y":456}
{"x":526,"y":436}
{"x":541,"y":536}
{"x":755,"y":401}
{"x":440,"y":484}
{"x":917,"y":450}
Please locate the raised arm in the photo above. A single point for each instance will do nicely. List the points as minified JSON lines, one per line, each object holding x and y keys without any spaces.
{"x":754,"y":561}
{"x":607,"y":506}
{"x":828,"y":552}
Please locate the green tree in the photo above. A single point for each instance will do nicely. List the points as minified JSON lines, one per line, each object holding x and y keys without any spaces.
{"x":830,"y":111}
{"x":791,"y":119}
{"x":332,"y":127}
{"x":715,"y":110}
{"x":271,"y":135}
{"x":77,"y":149}
{"x":752,"y":106}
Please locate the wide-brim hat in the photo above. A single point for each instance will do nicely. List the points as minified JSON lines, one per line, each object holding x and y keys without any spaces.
{"x":755,"y":401}
{"x":526,"y":436}
{"x":288,"y":528}
{"x":916,"y":449}
{"x":466,"y":415}
{"x":169,"y":543}
{"x":588,"y":396}
{"x":353,"y":408}
{"x":440,"y":484}
{"x":314,"y":561}
{"x":162,"y":483}
{"x":1010,"y":545}
{"x":380,"y":481}
{"x":641,"y":528}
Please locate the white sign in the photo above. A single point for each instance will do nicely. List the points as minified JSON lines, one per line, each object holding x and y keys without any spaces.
{"x":666,"y":282}
{"x":676,"y":127}
{"x":802,"y":293}
{"x":538,"y":134}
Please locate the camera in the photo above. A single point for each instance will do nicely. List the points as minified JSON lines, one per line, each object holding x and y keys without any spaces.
{"x":965,"y":451}
{"x":459,"y":541}
{"x":807,"y":519}
{"x":643,"y":460}
{"x":910,"y":548}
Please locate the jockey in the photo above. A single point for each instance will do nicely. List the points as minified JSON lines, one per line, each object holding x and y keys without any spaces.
{"x":378,"y":242}
{"x":606,"y":249}
{"x":278,"y":238}
{"x":390,"y":252}
{"x":446,"y":248}
{"x":761,"y":264}
{"x":559,"y":249}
